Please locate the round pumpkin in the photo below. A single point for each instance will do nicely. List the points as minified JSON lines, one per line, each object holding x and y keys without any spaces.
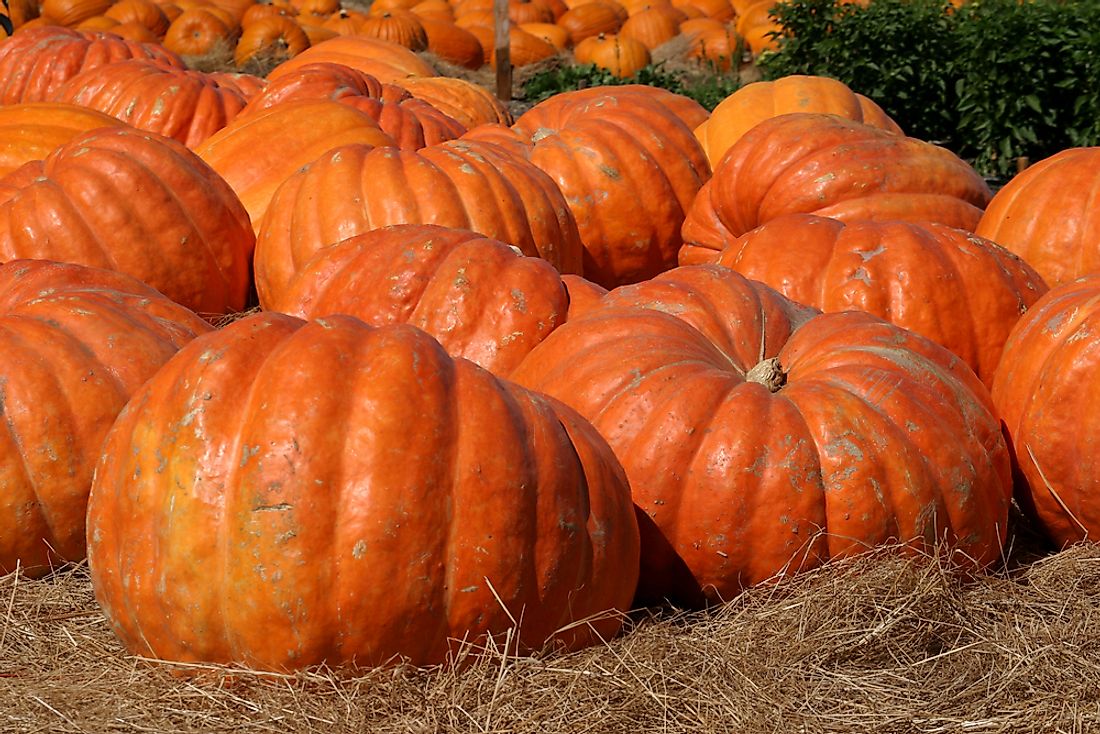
{"x":462,"y":184}
{"x":30,"y":132}
{"x":275,"y":37}
{"x":480,"y":298}
{"x":1044,"y":389}
{"x":138,"y":203}
{"x":762,"y":438}
{"x":383,"y":60}
{"x":753,"y":103}
{"x":330,"y":492}
{"x":1049,"y":214}
{"x":623,"y":56}
{"x":805,"y":163}
{"x":75,"y":343}
{"x":185,"y":105}
{"x":197,"y":31}
{"x":955,"y":288}
{"x":36,"y":61}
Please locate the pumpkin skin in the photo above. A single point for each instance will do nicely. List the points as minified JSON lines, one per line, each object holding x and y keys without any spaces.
{"x":34,"y":63}
{"x":629,"y":169}
{"x":137,"y":203}
{"x":460,"y":184}
{"x":31,"y":131}
{"x":453,"y":44}
{"x":477,"y":296}
{"x":955,"y":288}
{"x":75,"y":343}
{"x":621,"y":55}
{"x":371,"y":457}
{"x":1061,"y":247}
{"x":258,"y":151}
{"x":185,"y":105}
{"x":762,"y":439}
{"x":1045,"y":390}
{"x":803,"y":163}
{"x":753,"y":103}
{"x":196,"y":31}
{"x":276,"y":36}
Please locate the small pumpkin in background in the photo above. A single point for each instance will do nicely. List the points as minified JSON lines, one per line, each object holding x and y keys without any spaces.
{"x":75,"y":343}
{"x":622,"y":56}
{"x":396,"y":26}
{"x":592,"y":19}
{"x":381,"y":502}
{"x":144,"y":12}
{"x":1020,"y":216}
{"x":71,"y":12}
{"x":196,"y":32}
{"x":525,"y":49}
{"x":453,"y":44}
{"x":274,"y":37}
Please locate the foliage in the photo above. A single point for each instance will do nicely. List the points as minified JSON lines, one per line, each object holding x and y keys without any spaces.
{"x":994,"y":79}
{"x":707,"y":87}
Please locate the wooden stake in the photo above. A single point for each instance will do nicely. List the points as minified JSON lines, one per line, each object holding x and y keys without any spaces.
{"x":501,"y":27}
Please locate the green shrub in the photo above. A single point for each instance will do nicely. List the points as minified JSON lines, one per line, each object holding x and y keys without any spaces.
{"x":994,"y":80}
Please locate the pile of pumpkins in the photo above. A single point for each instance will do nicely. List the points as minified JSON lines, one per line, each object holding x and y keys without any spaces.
{"x":507,"y":379}
{"x":618,"y":35}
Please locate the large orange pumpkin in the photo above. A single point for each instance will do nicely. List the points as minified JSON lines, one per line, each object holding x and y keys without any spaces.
{"x":761,"y":438}
{"x":75,"y":343}
{"x":469,"y":185}
{"x":804,"y":163}
{"x":188,"y":106}
{"x":1050,"y":215}
{"x":138,"y":203}
{"x":31,"y":131}
{"x":482,"y":300}
{"x":36,"y":61}
{"x":284,"y":494}
{"x":469,"y":103}
{"x":1045,"y":389}
{"x":383,"y":60}
{"x":951,"y":286}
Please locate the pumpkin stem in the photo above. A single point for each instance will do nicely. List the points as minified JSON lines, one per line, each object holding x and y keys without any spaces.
{"x":769,"y":374}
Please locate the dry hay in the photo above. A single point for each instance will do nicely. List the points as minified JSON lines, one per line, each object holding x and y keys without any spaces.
{"x":882,"y":643}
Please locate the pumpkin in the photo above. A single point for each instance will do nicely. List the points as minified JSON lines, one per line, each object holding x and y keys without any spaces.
{"x":652,"y":27}
{"x":275,"y":37}
{"x":480,"y":298}
{"x":453,"y":44}
{"x":468,"y":103}
{"x":438,"y":10}
{"x":30,"y":132}
{"x":396,"y":26}
{"x":71,"y":12}
{"x":188,"y":106}
{"x":330,"y":492}
{"x":462,"y":184}
{"x":75,"y":343}
{"x":629,"y":169}
{"x":385,"y":61}
{"x":258,"y":151}
{"x":552,"y":33}
{"x":1044,"y":389}
{"x":621,"y":55}
{"x":552,"y":113}
{"x":197,"y":31}
{"x":591,"y":19}
{"x":804,"y":163}
{"x":134,"y":202}
{"x":145,"y":12}
{"x":761,"y":438}
{"x":720,"y":48}
{"x":1021,"y":215}
{"x":36,"y":61}
{"x":753,"y":103}
{"x":955,"y":288}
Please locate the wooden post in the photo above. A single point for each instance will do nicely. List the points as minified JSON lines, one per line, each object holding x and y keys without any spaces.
{"x":503,"y":54}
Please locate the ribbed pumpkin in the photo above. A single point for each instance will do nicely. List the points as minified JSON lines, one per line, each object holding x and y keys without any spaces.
{"x":137,"y":203}
{"x":258,"y":151}
{"x":397,"y":26}
{"x":249,"y":85}
{"x":480,"y":298}
{"x":1045,"y":390}
{"x":385,"y":61}
{"x":803,"y":163}
{"x":146,"y":12}
{"x":185,"y":105}
{"x":753,"y":103}
{"x":955,"y":288}
{"x":720,"y":48}
{"x":453,"y":44}
{"x":761,"y":439}
{"x":71,"y":12}
{"x":30,"y":132}
{"x":285,"y":493}
{"x":555,"y":111}
{"x":469,"y":103}
{"x":461,"y":184}
{"x":320,"y":81}
{"x":75,"y":343}
{"x":1050,"y":215}
{"x":629,"y":169}
{"x":36,"y":61}
{"x":590,"y":19}
{"x":197,"y":31}
{"x":620,"y":55}
{"x":652,"y":27}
